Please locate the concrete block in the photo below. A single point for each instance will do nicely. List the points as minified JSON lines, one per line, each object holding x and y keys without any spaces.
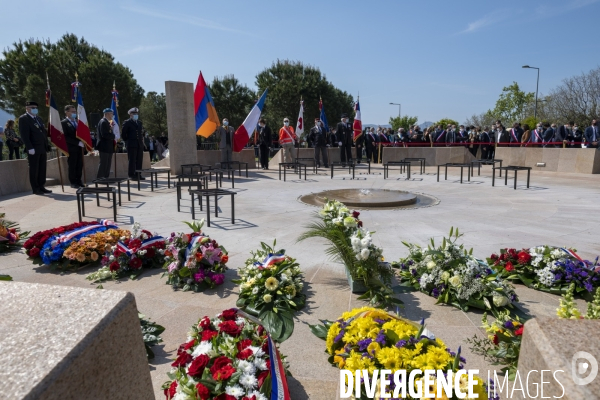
{"x":181,"y":124}
{"x":60,"y":342}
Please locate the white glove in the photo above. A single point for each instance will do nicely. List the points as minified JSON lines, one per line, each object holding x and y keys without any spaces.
{"x":81,"y":144}
{"x":327,"y":146}
{"x":340,"y":144}
{"x":32,"y":151}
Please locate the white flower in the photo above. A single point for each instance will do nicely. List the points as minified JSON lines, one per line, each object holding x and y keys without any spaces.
{"x":204,"y":347}
{"x":499,"y":300}
{"x":248,"y":381}
{"x":455,"y":281}
{"x":366,"y":242}
{"x":261,"y":364}
{"x":431,"y":265}
{"x":246,"y":367}
{"x":181,"y":396}
{"x":258,"y":395}
{"x":364,"y":253}
{"x":257,"y":351}
{"x":267,"y":298}
{"x":111,"y":258}
{"x":355,"y":241}
{"x":445,"y":275}
{"x":235,"y":391}
{"x":255,"y":290}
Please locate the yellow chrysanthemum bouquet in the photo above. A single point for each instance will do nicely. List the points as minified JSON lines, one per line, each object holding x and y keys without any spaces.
{"x":91,"y":248}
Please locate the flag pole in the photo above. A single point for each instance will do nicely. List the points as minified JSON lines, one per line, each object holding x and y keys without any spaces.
{"x":298,"y":148}
{"x":116,"y":105}
{"x":55,"y":146}
{"x":83,"y":148}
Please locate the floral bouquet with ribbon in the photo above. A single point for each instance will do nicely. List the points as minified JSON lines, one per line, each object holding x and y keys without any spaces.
{"x":92,"y":248}
{"x":453,"y":276}
{"x":133,"y":252}
{"x":271,"y":289}
{"x":194,"y":261}
{"x":53,"y":249}
{"x":549,"y":269}
{"x":372,"y":339}
{"x":33,"y":246}
{"x":230,"y":357}
{"x":11,"y":236}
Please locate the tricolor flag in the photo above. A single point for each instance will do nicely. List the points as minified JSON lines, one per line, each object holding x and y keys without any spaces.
{"x":113,"y":105}
{"x":83,"y":130}
{"x":357,"y":126}
{"x":207,"y":119}
{"x":57,"y":136}
{"x":242,"y":135}
{"x":323,"y":117}
{"x":300,"y":123}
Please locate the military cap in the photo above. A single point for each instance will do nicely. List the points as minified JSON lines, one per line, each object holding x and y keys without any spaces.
{"x":344,"y":115}
{"x":31,"y":103}
{"x":133,"y":110}
{"x":107,"y":110}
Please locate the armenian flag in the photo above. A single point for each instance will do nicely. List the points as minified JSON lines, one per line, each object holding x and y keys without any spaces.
{"x":207,"y":119}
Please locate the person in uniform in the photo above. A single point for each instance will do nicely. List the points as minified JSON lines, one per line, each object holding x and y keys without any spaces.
{"x":345,"y":135}
{"x":318,"y":137}
{"x":359,"y":144}
{"x":106,"y":143}
{"x":265,"y":139}
{"x":35,"y":137}
{"x":74,"y":146}
{"x":133,"y":135}
{"x":287,"y":139}
{"x":225,"y":135}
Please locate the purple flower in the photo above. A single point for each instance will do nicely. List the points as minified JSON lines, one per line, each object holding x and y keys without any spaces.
{"x":339,"y":336}
{"x":363,"y":344}
{"x":380,"y":338}
{"x":401,"y":343}
{"x":413,"y":272}
{"x":509,"y":325}
{"x":588,"y":286}
{"x":219,"y":279}
{"x":379,"y":321}
{"x":199,"y":277}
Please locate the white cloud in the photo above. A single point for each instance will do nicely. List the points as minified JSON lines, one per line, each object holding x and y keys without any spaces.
{"x":489,"y":19}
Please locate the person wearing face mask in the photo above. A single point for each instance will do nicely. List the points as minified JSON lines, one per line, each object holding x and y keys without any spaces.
{"x":548,"y":134}
{"x":287,"y":138}
{"x":105,"y":145}
{"x":265,"y":138}
{"x":537,"y":136}
{"x":574,"y":136}
{"x":502,"y":136}
{"x":592,"y":135}
{"x":35,"y":137}
{"x":318,"y":137}
{"x":225,"y":137}
{"x":74,"y":146}
{"x":345,"y":135}
{"x":132,"y":134}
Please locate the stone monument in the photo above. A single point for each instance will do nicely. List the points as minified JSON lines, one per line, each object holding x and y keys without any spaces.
{"x":181,"y":124}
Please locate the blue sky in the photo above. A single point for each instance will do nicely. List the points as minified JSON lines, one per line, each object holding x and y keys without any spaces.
{"x":437,"y":58}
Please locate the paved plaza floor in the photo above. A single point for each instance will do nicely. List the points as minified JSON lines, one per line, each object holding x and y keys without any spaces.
{"x":558,"y":209}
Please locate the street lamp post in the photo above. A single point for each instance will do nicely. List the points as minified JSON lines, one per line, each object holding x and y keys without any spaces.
{"x":399,"y":108}
{"x":536,"y":89}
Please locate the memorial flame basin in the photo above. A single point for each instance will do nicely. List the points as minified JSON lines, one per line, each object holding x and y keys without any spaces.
{"x":372,"y":199}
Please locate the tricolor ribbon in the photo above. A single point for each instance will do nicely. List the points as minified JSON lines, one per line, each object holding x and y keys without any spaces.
{"x":191,"y":245}
{"x":145,"y":244}
{"x":65,"y":237}
{"x":270,"y":260}
{"x":572,"y":254}
{"x":279,"y":386}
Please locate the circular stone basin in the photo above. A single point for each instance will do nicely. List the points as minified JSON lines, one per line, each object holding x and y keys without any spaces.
{"x":371,"y":198}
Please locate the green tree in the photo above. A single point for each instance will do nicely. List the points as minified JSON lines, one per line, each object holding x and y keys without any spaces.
{"x":288,"y":81}
{"x":512,"y":105}
{"x":24,"y":66}
{"x":232,"y":99}
{"x":402,"y":122}
{"x":445,"y":122}
{"x":153,"y":112}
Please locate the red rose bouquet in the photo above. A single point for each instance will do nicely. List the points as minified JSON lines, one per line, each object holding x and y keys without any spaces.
{"x":11,"y":236}
{"x":34,"y":244}
{"x":229,"y":357}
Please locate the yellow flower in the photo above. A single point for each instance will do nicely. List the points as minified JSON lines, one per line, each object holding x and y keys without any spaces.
{"x":334,"y":330}
{"x":271,"y":283}
{"x":433,"y":390}
{"x":373,"y":348}
{"x":339,"y":359}
{"x":94,"y":256}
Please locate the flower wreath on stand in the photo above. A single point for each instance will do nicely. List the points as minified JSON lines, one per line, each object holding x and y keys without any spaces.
{"x":453,"y":276}
{"x":90,"y":249}
{"x":549,"y":269}
{"x":11,"y":236}
{"x":372,"y":339}
{"x":194,"y":261}
{"x":54,"y":247}
{"x":33,"y":246}
{"x":271,"y":289}
{"x":230,"y":357}
{"x":138,"y":250}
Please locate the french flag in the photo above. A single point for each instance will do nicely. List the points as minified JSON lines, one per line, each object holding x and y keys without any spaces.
{"x":243,"y":133}
{"x":83,"y":130}
{"x":57,"y":136}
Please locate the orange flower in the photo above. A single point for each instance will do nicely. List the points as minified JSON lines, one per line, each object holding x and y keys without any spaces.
{"x":168,"y":253}
{"x":198,"y":256}
{"x":224,"y":258}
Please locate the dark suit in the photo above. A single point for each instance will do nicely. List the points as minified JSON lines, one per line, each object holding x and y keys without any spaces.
{"x":359,"y":144}
{"x":592,"y":134}
{"x":487,"y":146}
{"x":34,"y":136}
{"x":516,"y":134}
{"x":575,"y":136}
{"x":503,"y":137}
{"x":75,"y":160}
{"x":265,"y":141}
{"x":548,"y":136}
{"x":318,"y":137}
{"x":439,"y":137}
{"x":560,"y":134}
{"x":371,"y":146}
{"x":106,"y":147}
{"x":134,"y":138}
{"x":344,"y":134}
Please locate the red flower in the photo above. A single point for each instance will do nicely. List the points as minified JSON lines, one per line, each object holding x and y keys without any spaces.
{"x":494,"y":256}
{"x":135,"y":263}
{"x":261,"y":330}
{"x":135,"y":243}
{"x":249,"y":398}
{"x":205,"y":323}
{"x":182,"y":359}
{"x":224,"y":258}
{"x":244,"y":354}
{"x":355,"y":214}
{"x":225,"y":396}
{"x":261,"y":378}
{"x":170,"y":392}
{"x":229,"y":315}
{"x":150,"y":253}
{"x":223,"y":373}
{"x":220,"y":362}
{"x":524,"y":257}
{"x":265,"y":347}
{"x":509,"y":267}
{"x":148,"y":233}
{"x":230,"y":328}
{"x":189,"y":344}
{"x":519,"y":331}
{"x":28,"y":244}
{"x":359,"y":223}
{"x":203,"y":391}
{"x":208,"y":335}
{"x":512,"y":253}
{"x":495,"y":340}
{"x":198,"y":364}
{"x":114,"y":266}
{"x":242,"y":344}
{"x":35,"y":252}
